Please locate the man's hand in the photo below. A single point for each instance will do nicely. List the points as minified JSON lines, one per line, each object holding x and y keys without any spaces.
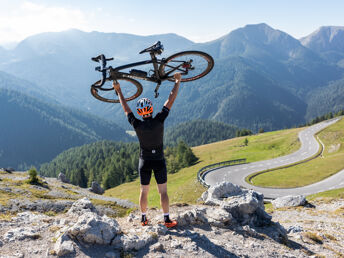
{"x":116,"y":86}
{"x":177,"y":77}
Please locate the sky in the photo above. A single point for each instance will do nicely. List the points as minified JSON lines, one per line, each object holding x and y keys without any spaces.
{"x":197,"y":20}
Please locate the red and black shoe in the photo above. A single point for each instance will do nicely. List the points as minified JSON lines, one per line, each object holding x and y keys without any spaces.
{"x":144,"y":223}
{"x":171,"y":223}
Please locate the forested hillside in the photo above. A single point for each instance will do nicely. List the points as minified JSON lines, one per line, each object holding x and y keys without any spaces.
{"x":110,"y":163}
{"x":199,"y":132}
{"x":33,"y":132}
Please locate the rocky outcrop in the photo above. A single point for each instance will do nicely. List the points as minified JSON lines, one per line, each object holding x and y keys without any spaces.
{"x":96,"y":188}
{"x":94,"y":229}
{"x":289,"y":201}
{"x":64,"y":245}
{"x":244,"y":206}
{"x":62,"y":177}
{"x":82,"y":206}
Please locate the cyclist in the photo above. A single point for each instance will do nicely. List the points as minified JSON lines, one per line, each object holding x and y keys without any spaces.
{"x":150,"y":132}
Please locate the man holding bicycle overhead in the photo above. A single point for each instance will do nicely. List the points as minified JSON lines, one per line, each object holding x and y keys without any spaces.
{"x":150,"y":132}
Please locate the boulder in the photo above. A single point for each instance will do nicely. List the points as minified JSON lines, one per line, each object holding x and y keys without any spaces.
{"x":135,"y":242}
{"x":81,"y":206}
{"x":289,"y":201}
{"x":62,"y":178}
{"x":195,"y":216}
{"x":220,"y":191}
{"x":96,"y":188}
{"x":245,"y":206}
{"x":219,"y":217}
{"x":94,"y":229}
{"x":64,"y":245}
{"x":294,"y":229}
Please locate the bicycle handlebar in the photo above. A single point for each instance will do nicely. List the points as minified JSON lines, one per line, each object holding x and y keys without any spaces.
{"x":102,"y":60}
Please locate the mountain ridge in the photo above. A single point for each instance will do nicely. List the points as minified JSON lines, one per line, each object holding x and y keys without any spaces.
{"x":278,"y":59}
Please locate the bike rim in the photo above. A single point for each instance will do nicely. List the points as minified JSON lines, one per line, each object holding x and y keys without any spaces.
{"x":202,"y":65}
{"x":130,"y":90}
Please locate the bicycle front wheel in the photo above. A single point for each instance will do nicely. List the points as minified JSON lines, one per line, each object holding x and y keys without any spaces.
{"x":191,"y":64}
{"x":131,"y":89}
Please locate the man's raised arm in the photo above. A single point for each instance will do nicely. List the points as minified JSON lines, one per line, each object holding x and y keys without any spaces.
{"x":122,"y":100}
{"x":173,"y":95}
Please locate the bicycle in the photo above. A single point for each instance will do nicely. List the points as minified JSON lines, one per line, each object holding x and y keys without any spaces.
{"x":192,"y":65}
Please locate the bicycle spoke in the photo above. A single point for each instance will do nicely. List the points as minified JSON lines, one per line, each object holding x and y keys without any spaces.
{"x":131,"y":89}
{"x":192,"y":65}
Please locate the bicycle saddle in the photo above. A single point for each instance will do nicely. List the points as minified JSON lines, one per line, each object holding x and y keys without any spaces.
{"x":157,"y":48}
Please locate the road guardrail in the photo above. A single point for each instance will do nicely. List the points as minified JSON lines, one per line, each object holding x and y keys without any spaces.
{"x":203,"y":171}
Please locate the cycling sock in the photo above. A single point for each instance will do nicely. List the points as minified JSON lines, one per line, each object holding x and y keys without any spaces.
{"x":167,"y":218}
{"x":143,"y":218}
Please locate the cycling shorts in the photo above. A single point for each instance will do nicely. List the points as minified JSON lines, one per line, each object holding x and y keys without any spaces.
{"x":159,"y":168}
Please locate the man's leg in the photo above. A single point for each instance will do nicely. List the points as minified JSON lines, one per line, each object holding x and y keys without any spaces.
{"x":144,"y":198}
{"x":164,"y":201}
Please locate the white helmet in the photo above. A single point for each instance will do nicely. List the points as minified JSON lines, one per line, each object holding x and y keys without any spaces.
{"x":144,"y":107}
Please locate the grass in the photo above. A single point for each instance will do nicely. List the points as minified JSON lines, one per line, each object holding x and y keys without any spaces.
{"x":314,"y":170}
{"x":184,"y":187}
{"x":327,"y":196}
{"x":121,"y":212}
{"x":315,"y":237}
{"x":6,"y":216}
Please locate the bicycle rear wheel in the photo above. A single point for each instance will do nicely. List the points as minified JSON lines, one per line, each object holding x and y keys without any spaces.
{"x":131,"y":89}
{"x":191,"y":64}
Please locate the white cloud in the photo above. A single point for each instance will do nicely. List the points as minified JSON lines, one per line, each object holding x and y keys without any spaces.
{"x":30,"y":18}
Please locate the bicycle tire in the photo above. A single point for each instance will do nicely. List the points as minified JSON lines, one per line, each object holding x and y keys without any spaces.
{"x":207,"y":64}
{"x":109,"y":95}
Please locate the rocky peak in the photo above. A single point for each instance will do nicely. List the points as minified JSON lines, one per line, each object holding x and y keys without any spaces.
{"x":326,"y":38}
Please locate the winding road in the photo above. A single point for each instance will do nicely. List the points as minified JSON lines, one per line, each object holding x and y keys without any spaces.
{"x":309,"y":146}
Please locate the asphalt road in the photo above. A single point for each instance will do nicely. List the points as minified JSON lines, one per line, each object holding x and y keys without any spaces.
{"x":309,"y":146}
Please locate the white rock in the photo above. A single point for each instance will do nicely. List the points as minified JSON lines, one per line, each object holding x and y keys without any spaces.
{"x":175,"y":244}
{"x":20,"y":234}
{"x":195,"y":216}
{"x":94,"y":229}
{"x":289,"y":201}
{"x":81,"y":206}
{"x":134,"y":242}
{"x":157,"y":247}
{"x":131,"y":217}
{"x":64,"y":245}
{"x":219,"y":217}
{"x":159,"y":229}
{"x":220,"y":191}
{"x":294,"y":229}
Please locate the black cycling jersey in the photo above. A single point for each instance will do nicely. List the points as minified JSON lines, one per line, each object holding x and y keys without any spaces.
{"x":150,"y":132}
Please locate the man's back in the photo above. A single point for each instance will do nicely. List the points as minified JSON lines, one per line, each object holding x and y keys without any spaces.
{"x":150,"y":132}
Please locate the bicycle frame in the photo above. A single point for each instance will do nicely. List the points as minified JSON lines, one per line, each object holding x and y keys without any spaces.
{"x":157,"y":78}
{"x":115,"y":72}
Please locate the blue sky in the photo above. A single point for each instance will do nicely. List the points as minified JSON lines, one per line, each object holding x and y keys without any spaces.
{"x":200,"y":21}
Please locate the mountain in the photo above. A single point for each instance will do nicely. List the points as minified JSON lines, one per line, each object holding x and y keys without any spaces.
{"x":277,"y":56}
{"x":328,"y":41}
{"x":60,"y":63}
{"x":326,"y":99}
{"x":262,"y":76}
{"x":33,"y":132}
